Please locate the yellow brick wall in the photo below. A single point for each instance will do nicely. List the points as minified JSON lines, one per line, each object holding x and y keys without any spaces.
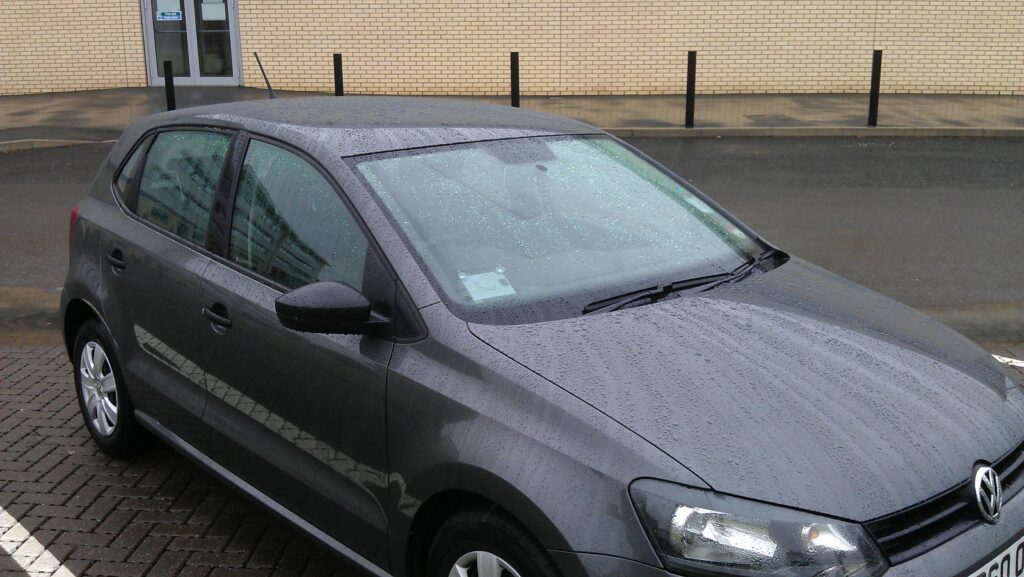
{"x":61,"y":45}
{"x":566,"y":46}
{"x":956,"y":46}
{"x":637,"y":46}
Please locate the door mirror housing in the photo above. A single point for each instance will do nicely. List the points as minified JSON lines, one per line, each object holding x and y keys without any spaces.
{"x":327,"y":307}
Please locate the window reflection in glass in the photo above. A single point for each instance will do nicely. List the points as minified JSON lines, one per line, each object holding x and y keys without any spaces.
{"x":126,"y":178}
{"x":290,"y":226}
{"x":179,"y":179}
{"x":535,"y":228}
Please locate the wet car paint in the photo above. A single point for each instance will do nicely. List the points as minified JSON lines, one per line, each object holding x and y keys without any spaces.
{"x":792,"y":387}
{"x":537,"y":418}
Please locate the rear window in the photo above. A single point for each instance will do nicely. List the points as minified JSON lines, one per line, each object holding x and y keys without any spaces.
{"x":178,"y":182}
{"x":125,"y":179}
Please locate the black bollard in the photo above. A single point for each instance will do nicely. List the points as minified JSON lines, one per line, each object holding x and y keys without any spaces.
{"x":169,"y":84}
{"x":515,"y":79}
{"x":339,"y":77}
{"x":876,"y":81}
{"x":691,"y":85}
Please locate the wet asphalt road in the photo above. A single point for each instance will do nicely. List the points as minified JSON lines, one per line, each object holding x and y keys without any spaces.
{"x":932,"y":222}
{"x":935,"y":222}
{"x":38,"y":188}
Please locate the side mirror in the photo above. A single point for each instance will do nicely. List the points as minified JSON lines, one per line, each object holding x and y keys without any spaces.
{"x":326,"y":307}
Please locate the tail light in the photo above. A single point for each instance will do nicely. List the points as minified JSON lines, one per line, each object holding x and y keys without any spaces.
{"x":71,"y":225}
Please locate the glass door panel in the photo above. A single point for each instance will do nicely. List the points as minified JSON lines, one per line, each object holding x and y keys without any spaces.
{"x":170,"y":36}
{"x":213,"y":35}
{"x":199,"y":37}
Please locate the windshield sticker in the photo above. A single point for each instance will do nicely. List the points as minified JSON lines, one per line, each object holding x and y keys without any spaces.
{"x":486,"y":285}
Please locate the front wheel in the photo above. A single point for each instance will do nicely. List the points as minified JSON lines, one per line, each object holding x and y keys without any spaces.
{"x":487,"y":543}
{"x":102,"y":396}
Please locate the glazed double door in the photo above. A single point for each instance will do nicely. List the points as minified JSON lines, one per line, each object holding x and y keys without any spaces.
{"x":198,"y":37}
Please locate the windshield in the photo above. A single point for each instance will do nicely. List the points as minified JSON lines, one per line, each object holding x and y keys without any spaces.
{"x":533,"y":229}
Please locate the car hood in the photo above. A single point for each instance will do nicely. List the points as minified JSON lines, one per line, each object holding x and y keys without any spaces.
{"x":794,"y":387}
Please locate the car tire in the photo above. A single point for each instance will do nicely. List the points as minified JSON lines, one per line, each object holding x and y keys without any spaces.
{"x":491,"y":538}
{"x":102,"y":396}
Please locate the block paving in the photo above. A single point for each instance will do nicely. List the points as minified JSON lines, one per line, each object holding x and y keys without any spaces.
{"x":67,"y":509}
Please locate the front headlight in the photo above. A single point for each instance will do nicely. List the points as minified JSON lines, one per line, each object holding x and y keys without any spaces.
{"x":707,"y":533}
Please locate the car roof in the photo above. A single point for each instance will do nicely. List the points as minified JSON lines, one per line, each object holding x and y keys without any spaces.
{"x":356,"y":125}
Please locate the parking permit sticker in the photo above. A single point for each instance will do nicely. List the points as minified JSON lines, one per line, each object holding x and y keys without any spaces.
{"x":486,"y":285}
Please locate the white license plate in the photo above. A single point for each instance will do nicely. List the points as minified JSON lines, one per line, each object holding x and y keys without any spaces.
{"x":1009,"y":563}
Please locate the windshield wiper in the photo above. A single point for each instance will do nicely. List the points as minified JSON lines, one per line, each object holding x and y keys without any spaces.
{"x":652,"y":294}
{"x":656,"y":293}
{"x":744,"y":269}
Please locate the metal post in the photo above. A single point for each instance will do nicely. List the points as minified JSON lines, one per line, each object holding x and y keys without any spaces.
{"x":876,"y":81}
{"x":515,"y":79}
{"x":691,"y":85}
{"x":339,"y":77}
{"x":169,"y":84}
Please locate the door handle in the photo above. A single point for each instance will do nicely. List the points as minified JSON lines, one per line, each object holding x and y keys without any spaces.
{"x":116,"y":260}
{"x":219,"y":320}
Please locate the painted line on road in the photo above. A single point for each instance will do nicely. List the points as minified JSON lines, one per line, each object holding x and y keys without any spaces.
{"x":26,"y":551}
{"x":1009,"y":361}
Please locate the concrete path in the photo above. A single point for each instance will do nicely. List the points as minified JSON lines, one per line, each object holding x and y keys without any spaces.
{"x":96,"y":115}
{"x":66,"y":118}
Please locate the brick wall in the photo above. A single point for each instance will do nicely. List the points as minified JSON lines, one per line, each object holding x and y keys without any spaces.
{"x":566,"y":46}
{"x":638,"y":46}
{"x":60,"y":45}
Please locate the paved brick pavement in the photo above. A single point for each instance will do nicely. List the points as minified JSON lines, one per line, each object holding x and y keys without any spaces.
{"x":68,"y":509}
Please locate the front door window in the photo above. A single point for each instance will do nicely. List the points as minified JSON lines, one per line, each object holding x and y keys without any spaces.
{"x":289,"y":224}
{"x":196,"y":36}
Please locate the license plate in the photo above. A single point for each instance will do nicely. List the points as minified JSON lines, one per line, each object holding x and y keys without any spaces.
{"x":1009,"y":563}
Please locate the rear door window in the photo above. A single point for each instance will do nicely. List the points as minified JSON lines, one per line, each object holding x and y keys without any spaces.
{"x":130,"y":170}
{"x":178,"y":182}
{"x":290,"y":226}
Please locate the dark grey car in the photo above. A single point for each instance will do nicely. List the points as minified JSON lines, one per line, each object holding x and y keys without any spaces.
{"x":454,"y":340}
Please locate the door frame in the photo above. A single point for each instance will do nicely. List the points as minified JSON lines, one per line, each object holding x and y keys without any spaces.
{"x":149,"y":45}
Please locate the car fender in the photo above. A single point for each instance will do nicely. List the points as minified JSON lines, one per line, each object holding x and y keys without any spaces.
{"x":464,"y":417}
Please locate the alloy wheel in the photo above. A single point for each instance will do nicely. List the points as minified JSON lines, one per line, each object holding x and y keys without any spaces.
{"x":482,"y":564}
{"x":99,"y":389}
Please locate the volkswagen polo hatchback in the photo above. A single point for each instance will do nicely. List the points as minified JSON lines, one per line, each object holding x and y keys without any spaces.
{"x":455,"y":340}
